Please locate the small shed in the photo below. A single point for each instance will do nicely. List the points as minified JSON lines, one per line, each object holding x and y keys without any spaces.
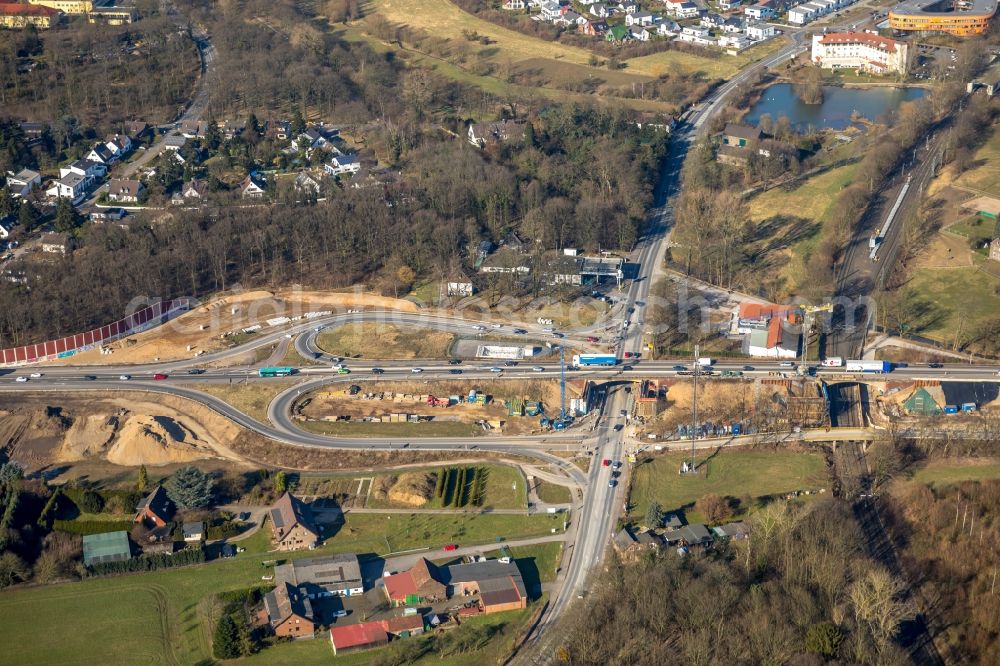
{"x":106,"y":547}
{"x":194,"y":531}
{"x":921,"y":402}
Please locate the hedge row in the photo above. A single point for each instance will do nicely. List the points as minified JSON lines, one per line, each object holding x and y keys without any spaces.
{"x":149,"y":562}
{"x":84,"y":527}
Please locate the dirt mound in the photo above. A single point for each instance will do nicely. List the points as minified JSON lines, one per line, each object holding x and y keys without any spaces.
{"x":413,"y":489}
{"x":156,"y":440}
{"x":89,"y":436}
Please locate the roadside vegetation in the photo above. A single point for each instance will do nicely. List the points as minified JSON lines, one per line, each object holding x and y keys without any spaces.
{"x":384,"y":341}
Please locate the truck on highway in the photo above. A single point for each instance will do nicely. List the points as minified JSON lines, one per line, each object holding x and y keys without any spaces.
{"x":868,"y":366}
{"x":582,"y":360}
{"x":833,"y":362}
{"x":276,"y":372}
{"x":705,"y":362}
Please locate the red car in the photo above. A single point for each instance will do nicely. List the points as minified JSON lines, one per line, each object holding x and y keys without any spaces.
{"x":606,"y":463}
{"x":591,"y":339}
{"x":159,"y":375}
{"x":451,"y":546}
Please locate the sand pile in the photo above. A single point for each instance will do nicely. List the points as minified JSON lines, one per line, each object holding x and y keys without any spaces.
{"x":89,"y":436}
{"x":413,"y":489}
{"x":156,"y":440}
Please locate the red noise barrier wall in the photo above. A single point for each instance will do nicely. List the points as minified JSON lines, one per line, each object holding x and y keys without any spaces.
{"x":45,"y":351}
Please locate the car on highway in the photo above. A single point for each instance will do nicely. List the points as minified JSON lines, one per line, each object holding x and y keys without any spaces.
{"x":343,"y":371}
{"x":786,"y":364}
{"x":538,"y":368}
{"x":548,"y":330}
{"x":89,"y":378}
{"x":450,"y":547}
{"x":617,"y":464}
{"x":591,"y":338}
{"x":935,"y":365}
{"x":496,"y":369}
{"x":605,"y":463}
{"x":748,"y":368}
{"x":416,"y":370}
{"x":377,"y":371}
{"x":510,"y":364}
{"x":196,"y":371}
{"x":124,"y":378}
{"x":519,"y":331}
{"x":618,"y":427}
{"x":36,"y":375}
{"x":455,"y":371}
{"x":633,"y":354}
{"x":160,"y":376}
{"x":497,"y":325}
{"x":680,"y":368}
{"x":479,"y":328}
{"x":455,"y":361}
{"x":612,"y":483}
{"x":626,"y":368}
{"x":22,"y":378}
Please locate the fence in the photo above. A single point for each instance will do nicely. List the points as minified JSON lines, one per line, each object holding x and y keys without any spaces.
{"x":148,"y":317}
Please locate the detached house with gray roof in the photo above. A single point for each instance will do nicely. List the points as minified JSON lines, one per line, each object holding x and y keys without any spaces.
{"x":292,"y":524}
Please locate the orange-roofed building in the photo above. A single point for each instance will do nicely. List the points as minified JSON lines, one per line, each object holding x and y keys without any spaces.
{"x":769,"y":331}
{"x":421,"y":583}
{"x":367,"y":635}
{"x":18,"y":15}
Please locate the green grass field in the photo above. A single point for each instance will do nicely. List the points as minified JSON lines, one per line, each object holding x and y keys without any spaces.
{"x":157,"y":618}
{"x":729,"y":473}
{"x":974,"y":226}
{"x":552,"y":493}
{"x":364,"y":429}
{"x":943,"y":472}
{"x":505,"y":488}
{"x":985,"y":175}
{"x":954,"y":295}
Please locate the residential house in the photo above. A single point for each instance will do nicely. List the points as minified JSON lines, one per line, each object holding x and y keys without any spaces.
{"x":628,"y":7}
{"x":289,"y":612}
{"x":136,"y":129}
{"x":802,"y":14}
{"x":551,"y":11}
{"x":638,"y":33}
{"x":769,"y":331}
{"x":711,"y":20}
{"x":683,"y":9}
{"x":501,"y":131}
{"x":729,"y":5}
{"x":87,"y":168}
{"x":174,"y":142}
{"x":688,"y":535}
{"x":312,"y":139}
{"x":194,"y":532}
{"x":6,"y":227}
{"x":327,"y":576}
{"x":342,"y":163}
{"x":498,"y":585}
{"x":306,"y":182}
{"x":617,"y":34}
{"x":625,"y":542}
{"x":278,"y":129}
{"x":193,"y":129}
{"x":23,"y":182}
{"x":232,"y":129}
{"x":364,"y":177}
{"x":33,"y":131}
{"x":159,"y":541}
{"x":762,"y":11}
{"x":643,"y":19}
{"x":599,"y":10}
{"x":125,"y":190}
{"x":740,"y":136}
{"x":733,"y":25}
{"x":72,"y":186}
{"x":101,"y":153}
{"x":668,"y":29}
{"x":194,"y":189}
{"x":253,"y":187}
{"x":731,"y":41}
{"x":119,"y":145}
{"x":57,"y":243}
{"x":106,"y":547}
{"x":514,"y":5}
{"x":995,"y":249}
{"x":18,"y":15}
{"x":696,"y":35}
{"x":760,"y":31}
{"x":420,"y":584}
{"x":736,"y":531}
{"x":571,"y":18}
{"x":155,"y":509}
{"x":594,"y":28}
{"x":107,"y":215}
{"x":292,"y":524}
{"x":66,"y":6}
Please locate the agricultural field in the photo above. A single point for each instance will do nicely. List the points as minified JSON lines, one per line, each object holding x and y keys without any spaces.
{"x":737,"y":474}
{"x":384,"y":341}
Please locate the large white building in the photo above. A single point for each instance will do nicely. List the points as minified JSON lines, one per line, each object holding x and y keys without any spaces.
{"x":865,"y":51}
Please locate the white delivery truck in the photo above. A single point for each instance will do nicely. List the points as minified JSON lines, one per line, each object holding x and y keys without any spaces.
{"x":705,"y":362}
{"x":833,"y":362}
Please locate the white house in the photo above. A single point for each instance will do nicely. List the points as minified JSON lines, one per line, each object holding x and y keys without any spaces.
{"x":6,"y":226}
{"x":101,"y":153}
{"x":119,"y":144}
{"x":711,"y":21}
{"x":125,"y":190}
{"x":514,"y":5}
{"x":867,"y":51}
{"x":728,"y":5}
{"x":174,"y":142}
{"x":696,"y":35}
{"x":628,"y":7}
{"x":306,"y":182}
{"x":551,"y":11}
{"x":86,"y":168}
{"x":760,"y":12}
{"x":733,"y":25}
{"x":730,"y":41}
{"x":253,"y":187}
{"x":683,"y":9}
{"x":760,"y":31}
{"x":668,"y":29}
{"x":72,"y":186}
{"x":639,"y":33}
{"x":639,"y":18}
{"x":599,"y":10}
{"x":21,"y":183}
{"x":342,"y":164}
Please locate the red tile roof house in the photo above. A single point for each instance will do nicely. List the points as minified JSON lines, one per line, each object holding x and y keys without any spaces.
{"x":421,"y":583}
{"x":155,"y":509}
{"x":367,"y":635}
{"x":292,"y":524}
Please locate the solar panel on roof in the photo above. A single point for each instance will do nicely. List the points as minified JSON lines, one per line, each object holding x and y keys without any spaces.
{"x":277,"y":519}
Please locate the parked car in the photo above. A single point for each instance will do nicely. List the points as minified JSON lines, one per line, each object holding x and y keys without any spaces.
{"x":160,"y":376}
{"x":612,"y":483}
{"x":450,"y":547}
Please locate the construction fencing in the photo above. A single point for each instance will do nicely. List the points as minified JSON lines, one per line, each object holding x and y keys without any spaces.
{"x":148,"y":317}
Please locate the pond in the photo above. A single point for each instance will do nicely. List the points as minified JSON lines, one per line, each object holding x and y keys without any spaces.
{"x":836,"y":109}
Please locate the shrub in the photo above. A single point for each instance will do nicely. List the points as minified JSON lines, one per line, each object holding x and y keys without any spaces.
{"x":84,"y":527}
{"x":91,"y":502}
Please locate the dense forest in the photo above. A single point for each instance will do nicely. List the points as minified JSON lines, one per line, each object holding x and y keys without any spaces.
{"x":97,"y":75}
{"x":799,"y":591}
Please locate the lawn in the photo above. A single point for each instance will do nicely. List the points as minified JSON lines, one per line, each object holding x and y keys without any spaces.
{"x":974,"y":226}
{"x":552,"y":493}
{"x":444,"y":19}
{"x":400,"y":430}
{"x":157,"y":617}
{"x":252,"y":399}
{"x":985,"y":176}
{"x":729,"y":473}
{"x":384,"y":341}
{"x":943,"y":472}
{"x":938,"y":289}
{"x":504,"y":488}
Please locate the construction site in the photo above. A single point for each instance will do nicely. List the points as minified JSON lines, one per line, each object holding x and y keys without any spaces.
{"x":502,"y":407}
